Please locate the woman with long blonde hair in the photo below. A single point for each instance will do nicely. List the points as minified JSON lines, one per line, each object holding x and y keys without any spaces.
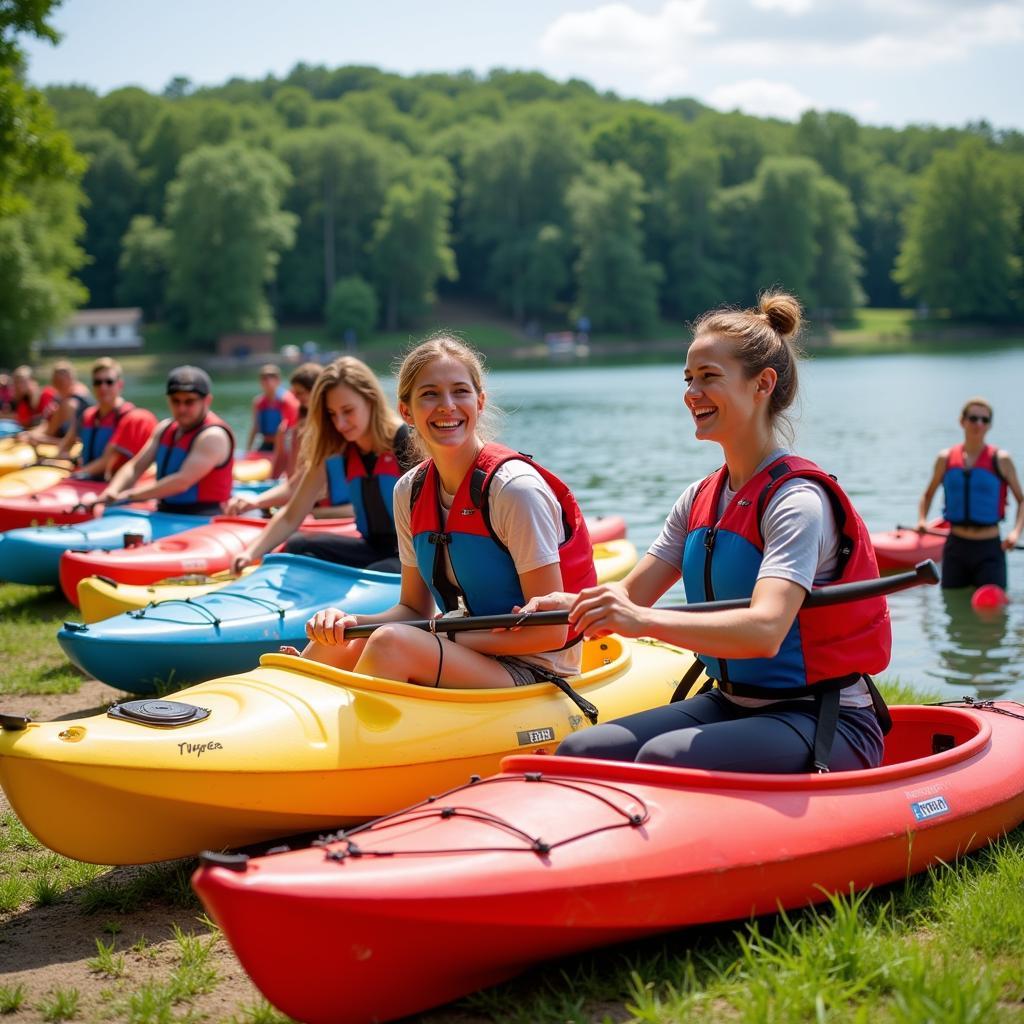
{"x":481,"y":529}
{"x":354,"y":449}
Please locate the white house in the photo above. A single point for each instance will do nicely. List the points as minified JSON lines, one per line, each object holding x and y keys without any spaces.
{"x":97,"y":330}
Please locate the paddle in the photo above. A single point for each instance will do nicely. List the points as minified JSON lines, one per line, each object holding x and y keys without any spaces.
{"x":839,"y":593}
{"x":924,"y":572}
{"x":945,"y":533}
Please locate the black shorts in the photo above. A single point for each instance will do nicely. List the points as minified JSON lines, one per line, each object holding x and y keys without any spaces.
{"x":973,"y":563}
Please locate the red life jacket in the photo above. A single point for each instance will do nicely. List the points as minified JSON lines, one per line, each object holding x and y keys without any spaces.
{"x":212,"y":489}
{"x":96,"y":430}
{"x":834,"y":645}
{"x":487,"y":576}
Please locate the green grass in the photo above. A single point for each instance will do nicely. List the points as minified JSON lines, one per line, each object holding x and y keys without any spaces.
{"x":29,"y":620}
{"x":12,"y":997}
{"x":60,"y":1004}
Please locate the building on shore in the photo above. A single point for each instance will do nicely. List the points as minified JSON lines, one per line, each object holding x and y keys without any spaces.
{"x":96,"y":330}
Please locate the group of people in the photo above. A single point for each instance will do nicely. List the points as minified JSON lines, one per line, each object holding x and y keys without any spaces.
{"x":476,"y":528}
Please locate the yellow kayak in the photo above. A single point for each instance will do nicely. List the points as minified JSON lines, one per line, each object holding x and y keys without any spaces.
{"x":291,"y":746}
{"x":251,"y":470}
{"x":100,"y":598}
{"x":30,"y":480}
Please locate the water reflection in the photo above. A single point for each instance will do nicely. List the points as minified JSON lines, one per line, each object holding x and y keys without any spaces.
{"x":974,"y":649}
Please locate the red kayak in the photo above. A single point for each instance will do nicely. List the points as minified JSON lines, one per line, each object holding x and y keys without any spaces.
{"x":605,"y":528}
{"x":204,"y":549}
{"x":553,"y":856}
{"x":55,"y":506}
{"x":903,"y":549}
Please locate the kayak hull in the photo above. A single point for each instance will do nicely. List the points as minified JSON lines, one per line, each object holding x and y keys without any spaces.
{"x":896,"y":550}
{"x":605,"y":528}
{"x":589,"y":853}
{"x":205,"y":549}
{"x":32,"y":554}
{"x":176,"y":642}
{"x":100,"y":597}
{"x":292,"y":746}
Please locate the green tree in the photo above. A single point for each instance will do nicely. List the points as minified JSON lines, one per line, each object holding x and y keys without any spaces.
{"x":144,"y":266}
{"x":514,"y":210}
{"x":340,"y":176}
{"x":835,"y":288}
{"x":128,"y":113}
{"x":39,"y":202}
{"x":112,"y":187}
{"x":410,"y":248}
{"x":352,"y":306}
{"x":228,"y":230}
{"x":617,"y":287}
{"x":887,"y":193}
{"x":695,"y":273}
{"x":960,"y":252}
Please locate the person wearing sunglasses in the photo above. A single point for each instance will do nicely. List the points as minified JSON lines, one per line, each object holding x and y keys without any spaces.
{"x":112,"y":430}
{"x":975,"y":477}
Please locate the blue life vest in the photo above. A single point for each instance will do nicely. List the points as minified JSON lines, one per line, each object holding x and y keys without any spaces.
{"x":96,"y":431}
{"x":975,"y":496}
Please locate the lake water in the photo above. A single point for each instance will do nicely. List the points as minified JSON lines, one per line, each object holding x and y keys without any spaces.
{"x":622,"y":439}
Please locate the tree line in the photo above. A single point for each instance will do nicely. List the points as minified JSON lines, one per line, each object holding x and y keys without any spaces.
{"x":353,"y":194}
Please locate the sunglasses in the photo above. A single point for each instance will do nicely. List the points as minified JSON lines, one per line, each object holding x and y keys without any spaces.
{"x":978,"y":419}
{"x":97,"y":381}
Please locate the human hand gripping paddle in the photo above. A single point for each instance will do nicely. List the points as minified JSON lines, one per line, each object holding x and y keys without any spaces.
{"x":839,"y":593}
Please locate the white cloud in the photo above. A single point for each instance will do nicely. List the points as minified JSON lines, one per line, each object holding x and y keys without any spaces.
{"x":761,"y":97}
{"x":791,"y":7}
{"x":618,"y":34}
{"x":951,"y":37}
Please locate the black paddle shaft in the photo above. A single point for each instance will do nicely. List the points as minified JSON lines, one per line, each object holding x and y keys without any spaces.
{"x":838,"y":593}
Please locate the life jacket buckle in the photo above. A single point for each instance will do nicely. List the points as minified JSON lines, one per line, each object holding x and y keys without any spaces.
{"x":440,"y":538}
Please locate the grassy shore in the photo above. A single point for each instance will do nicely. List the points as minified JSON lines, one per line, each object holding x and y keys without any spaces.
{"x":132,"y":944}
{"x":870,"y":332}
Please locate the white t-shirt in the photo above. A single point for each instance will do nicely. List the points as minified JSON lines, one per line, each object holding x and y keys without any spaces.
{"x":801,"y":544}
{"x":527,"y":519}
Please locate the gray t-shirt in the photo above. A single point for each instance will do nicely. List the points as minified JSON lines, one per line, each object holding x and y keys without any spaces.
{"x":801,"y":544}
{"x":526,"y":517}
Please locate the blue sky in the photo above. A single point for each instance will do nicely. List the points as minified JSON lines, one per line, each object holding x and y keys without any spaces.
{"x":884,"y":61}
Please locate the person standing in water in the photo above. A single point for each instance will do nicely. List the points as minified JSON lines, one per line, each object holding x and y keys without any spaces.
{"x":481,"y":529}
{"x":794,"y":690}
{"x":975,"y":477}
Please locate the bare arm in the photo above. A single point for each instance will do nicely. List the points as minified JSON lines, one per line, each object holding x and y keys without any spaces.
{"x":938,"y":472}
{"x":754,"y":632}
{"x":211,"y":449}
{"x":1009,"y":471}
{"x":286,"y":520}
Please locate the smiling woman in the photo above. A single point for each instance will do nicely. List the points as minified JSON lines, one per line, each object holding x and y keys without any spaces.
{"x":482,"y":529}
{"x":793,"y":686}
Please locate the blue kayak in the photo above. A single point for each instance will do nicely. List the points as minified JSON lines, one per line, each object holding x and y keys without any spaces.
{"x":8,"y":428}
{"x":175,"y":643}
{"x":32,"y":554}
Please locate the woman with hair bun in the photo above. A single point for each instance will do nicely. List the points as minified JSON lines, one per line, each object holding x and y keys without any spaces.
{"x":793,"y":691}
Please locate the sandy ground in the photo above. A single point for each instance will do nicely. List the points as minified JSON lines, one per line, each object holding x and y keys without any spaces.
{"x":48,"y":948}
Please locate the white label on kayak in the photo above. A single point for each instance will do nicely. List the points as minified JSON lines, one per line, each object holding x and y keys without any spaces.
{"x":193,"y":564}
{"x":932,"y":808}
{"x":528,"y":736}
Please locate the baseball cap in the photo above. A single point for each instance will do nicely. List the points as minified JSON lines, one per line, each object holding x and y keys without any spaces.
{"x":189,"y":378}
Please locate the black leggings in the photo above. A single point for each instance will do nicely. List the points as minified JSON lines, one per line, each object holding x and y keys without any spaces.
{"x":973,"y":563}
{"x":710,"y":731}
{"x":343,"y":550}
